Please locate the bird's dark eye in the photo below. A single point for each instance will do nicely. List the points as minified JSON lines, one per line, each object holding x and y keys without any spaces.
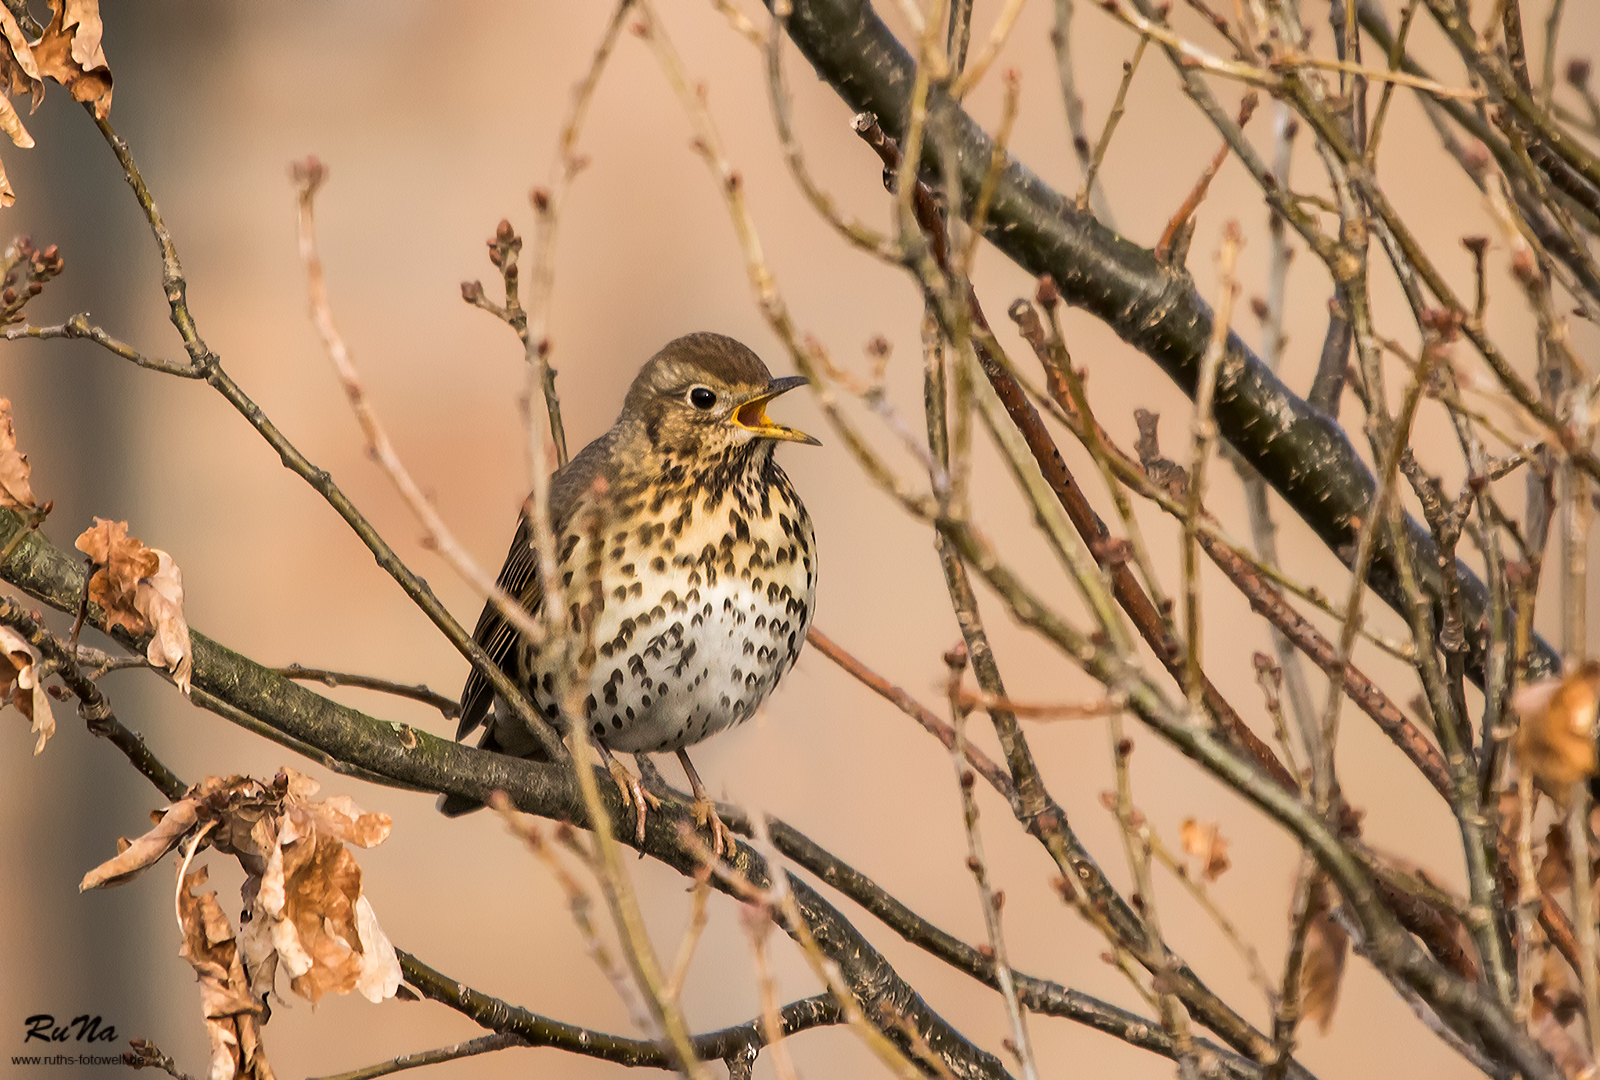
{"x":702,"y":398}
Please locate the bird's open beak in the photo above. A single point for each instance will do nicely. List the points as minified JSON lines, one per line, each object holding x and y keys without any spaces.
{"x":752,"y":415}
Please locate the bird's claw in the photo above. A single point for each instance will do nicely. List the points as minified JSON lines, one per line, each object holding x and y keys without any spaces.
{"x":633,"y":794}
{"x":705,"y":815}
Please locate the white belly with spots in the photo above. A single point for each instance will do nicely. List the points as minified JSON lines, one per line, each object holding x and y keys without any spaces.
{"x":703,"y":659}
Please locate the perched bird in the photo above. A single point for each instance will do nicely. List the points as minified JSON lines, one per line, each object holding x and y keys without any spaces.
{"x":688,"y":572}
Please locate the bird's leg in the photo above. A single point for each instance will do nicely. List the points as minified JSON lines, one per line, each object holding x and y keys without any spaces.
{"x":651,"y":776}
{"x":633,"y":793}
{"x":705,"y":811}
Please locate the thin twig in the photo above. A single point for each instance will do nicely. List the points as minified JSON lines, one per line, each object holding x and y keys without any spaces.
{"x":699,"y":898}
{"x":979,"y":65}
{"x":1092,"y":172}
{"x":448,"y":707}
{"x":1204,"y":435}
{"x":497,"y":1015}
{"x":535,"y":330}
{"x":1137,"y":848}
{"x":1397,"y":53}
{"x":1287,"y":1011}
{"x":483,"y":1044}
{"x":991,"y":178}
{"x":1061,"y":40}
{"x":757,"y":919}
{"x":989,"y":899}
{"x":78,"y":326}
{"x":862,"y":236}
{"x":1174,"y":242}
{"x":1366,"y":546}
{"x":1399,"y":78}
{"x":902,"y":700}
{"x":1196,"y":888}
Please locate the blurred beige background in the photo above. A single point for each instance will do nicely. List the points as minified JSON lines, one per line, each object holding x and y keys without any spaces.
{"x":435,"y":120}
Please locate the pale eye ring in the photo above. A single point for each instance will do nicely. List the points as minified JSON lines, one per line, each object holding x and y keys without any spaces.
{"x":703,"y":398}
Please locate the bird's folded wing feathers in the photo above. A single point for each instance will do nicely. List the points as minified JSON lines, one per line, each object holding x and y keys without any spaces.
{"x":519,"y":577}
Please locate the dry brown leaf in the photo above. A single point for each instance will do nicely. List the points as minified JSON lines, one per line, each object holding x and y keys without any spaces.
{"x":1557,"y":1002}
{"x":1556,"y":991}
{"x":232,"y":1012}
{"x":20,"y":685}
{"x":159,"y":598}
{"x":141,"y":590}
{"x":1555,"y":737}
{"x":1555,"y":869}
{"x":1322,"y":969}
{"x":321,"y":927}
{"x":1569,"y":1054}
{"x":70,"y":53}
{"x":141,"y":854}
{"x":122,"y":561}
{"x":19,"y":72}
{"x":1205,"y":843}
{"x":16,"y":492}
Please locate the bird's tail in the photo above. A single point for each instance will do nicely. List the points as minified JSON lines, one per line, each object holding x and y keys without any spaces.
{"x":457,"y":805}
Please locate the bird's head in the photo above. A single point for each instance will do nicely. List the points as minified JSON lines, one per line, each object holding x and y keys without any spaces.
{"x":704,"y":394}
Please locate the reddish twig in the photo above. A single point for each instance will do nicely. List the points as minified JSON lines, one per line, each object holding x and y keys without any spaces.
{"x":1175,"y":237}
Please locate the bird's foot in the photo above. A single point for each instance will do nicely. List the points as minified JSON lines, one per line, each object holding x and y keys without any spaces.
{"x":705,"y":816}
{"x":705,"y":811}
{"x":633,"y":794}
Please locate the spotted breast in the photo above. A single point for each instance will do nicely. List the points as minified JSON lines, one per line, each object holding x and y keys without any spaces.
{"x":708,"y":592}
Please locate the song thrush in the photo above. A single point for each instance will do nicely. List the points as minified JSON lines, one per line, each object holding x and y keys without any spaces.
{"x":687,"y":564}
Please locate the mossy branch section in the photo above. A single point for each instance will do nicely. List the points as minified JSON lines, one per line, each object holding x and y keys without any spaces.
{"x":396,"y":753}
{"x":1298,"y":449}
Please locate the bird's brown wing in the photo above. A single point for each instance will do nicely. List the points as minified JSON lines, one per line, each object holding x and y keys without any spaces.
{"x":519,"y":577}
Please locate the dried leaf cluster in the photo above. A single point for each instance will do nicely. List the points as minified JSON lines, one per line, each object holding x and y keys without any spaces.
{"x":304,"y":909}
{"x":141,"y":591}
{"x":21,"y":685}
{"x":68,"y":51}
{"x":16,"y":488}
{"x":1322,"y":968}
